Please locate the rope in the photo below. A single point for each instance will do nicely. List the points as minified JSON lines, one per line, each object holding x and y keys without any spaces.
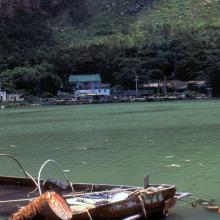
{"x":198,"y":201}
{"x":16,"y":200}
{"x":23,"y":200}
{"x":90,"y":217}
{"x":35,"y":182}
{"x":32,"y":178}
{"x":143,"y":207}
{"x":148,"y":190}
{"x":59,"y":167}
{"x":92,"y":188}
{"x":19,"y":164}
{"x":25,"y":172}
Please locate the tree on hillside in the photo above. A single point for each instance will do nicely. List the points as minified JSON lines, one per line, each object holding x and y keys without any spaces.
{"x":35,"y":80}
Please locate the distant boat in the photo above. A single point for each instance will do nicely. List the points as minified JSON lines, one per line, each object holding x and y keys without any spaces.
{"x":54,"y":199}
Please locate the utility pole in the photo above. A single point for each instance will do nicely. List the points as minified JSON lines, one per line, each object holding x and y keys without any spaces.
{"x":165,"y":86}
{"x":136,"y":84}
{"x":136,"y":81}
{"x":0,"y":92}
{"x":158,"y":88}
{"x":181,"y":7}
{"x":212,"y":11}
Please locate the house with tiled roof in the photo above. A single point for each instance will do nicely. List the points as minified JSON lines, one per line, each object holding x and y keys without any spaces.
{"x":89,"y":85}
{"x":85,"y":81}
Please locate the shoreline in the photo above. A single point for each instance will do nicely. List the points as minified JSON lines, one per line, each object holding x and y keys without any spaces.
{"x":21,"y":105}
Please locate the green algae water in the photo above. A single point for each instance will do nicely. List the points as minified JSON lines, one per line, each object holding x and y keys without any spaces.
{"x":174,"y":142}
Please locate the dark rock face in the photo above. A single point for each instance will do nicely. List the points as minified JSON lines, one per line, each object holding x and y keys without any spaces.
{"x":126,"y":7}
{"x":78,"y":8}
{"x":9,"y":8}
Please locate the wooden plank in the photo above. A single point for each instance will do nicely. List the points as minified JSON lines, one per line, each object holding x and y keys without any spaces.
{"x":181,"y":195}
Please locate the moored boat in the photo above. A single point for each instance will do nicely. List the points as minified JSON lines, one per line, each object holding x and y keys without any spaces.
{"x":86,"y":201}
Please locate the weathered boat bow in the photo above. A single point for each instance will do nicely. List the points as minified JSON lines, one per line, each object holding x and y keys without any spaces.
{"x":49,"y":205}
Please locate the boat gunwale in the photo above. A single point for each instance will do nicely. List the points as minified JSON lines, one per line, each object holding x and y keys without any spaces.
{"x":28,"y":180}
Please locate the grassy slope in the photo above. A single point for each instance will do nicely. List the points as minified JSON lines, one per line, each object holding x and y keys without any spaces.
{"x":111,"y":27}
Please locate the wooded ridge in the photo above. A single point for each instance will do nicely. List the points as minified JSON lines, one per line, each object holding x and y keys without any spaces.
{"x":42,"y":42}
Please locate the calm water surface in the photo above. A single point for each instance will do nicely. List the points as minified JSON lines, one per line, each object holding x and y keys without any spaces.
{"x":174,"y":142}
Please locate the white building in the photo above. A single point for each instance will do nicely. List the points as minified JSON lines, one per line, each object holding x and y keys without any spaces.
{"x":93,"y":92}
{"x":15,"y":97}
{"x":3,"y":96}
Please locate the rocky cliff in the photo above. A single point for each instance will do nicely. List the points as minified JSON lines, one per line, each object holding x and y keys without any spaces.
{"x":8,"y":8}
{"x":126,"y":7}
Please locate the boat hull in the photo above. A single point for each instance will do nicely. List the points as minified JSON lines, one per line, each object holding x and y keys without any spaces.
{"x":150,"y":202}
{"x":150,"y":206}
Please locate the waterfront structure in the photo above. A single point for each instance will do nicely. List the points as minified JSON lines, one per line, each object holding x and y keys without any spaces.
{"x":179,"y":88}
{"x":90,"y":86}
{"x":93,"y":92}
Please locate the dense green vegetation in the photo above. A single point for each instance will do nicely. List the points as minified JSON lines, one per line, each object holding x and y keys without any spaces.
{"x":119,"y":39}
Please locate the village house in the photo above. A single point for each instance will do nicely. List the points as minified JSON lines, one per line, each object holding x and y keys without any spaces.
{"x":191,"y":88}
{"x":171,"y":85}
{"x":15,"y":97}
{"x":3,"y":96}
{"x":85,"y":82}
{"x":89,"y":85}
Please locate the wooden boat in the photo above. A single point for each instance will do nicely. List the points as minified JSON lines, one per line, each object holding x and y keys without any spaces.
{"x":124,"y":202}
{"x":87,"y":201}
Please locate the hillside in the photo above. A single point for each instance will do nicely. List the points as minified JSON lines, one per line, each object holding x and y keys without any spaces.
{"x":134,"y":21}
{"x":42,"y":42}
{"x":89,"y":22}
